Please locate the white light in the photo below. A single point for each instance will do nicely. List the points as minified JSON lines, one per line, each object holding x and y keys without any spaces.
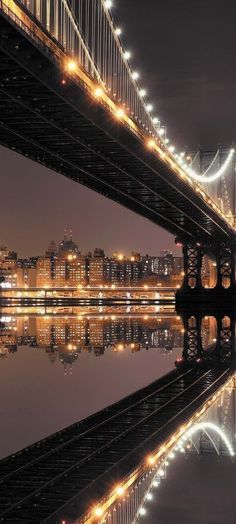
{"x":120,"y":113}
{"x":118,"y":31}
{"x":167,"y":140}
{"x":171,"y":149}
{"x":127,"y":55}
{"x":161,"y":131}
{"x":149,"y":496}
{"x":108,"y":4}
{"x":211,"y":178}
{"x":155,"y":120}
{"x":155,"y":484}
{"x":142,"y":511}
{"x":204,"y":426}
{"x":142,"y":92}
{"x":99,"y":512}
{"x":135,"y":75}
{"x":149,"y":107}
{"x":120,"y":491}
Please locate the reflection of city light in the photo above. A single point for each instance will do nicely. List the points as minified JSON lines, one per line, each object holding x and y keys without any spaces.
{"x":120,"y":490}
{"x":99,"y":512}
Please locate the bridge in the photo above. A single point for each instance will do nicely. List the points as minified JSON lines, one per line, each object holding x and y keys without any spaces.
{"x":102,"y":468}
{"x":71,"y":101}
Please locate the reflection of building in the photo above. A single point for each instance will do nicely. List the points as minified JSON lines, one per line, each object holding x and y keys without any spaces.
{"x":67,"y":355}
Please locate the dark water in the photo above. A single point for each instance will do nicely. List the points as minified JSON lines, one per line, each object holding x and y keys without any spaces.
{"x":60,"y":367}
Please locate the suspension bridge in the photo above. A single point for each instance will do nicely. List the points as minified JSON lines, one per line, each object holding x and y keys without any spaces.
{"x":102,"y":469}
{"x":71,"y":101}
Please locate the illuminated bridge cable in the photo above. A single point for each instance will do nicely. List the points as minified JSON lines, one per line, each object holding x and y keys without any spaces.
{"x":215,"y":176}
{"x":206,"y":427}
{"x":212,"y":163}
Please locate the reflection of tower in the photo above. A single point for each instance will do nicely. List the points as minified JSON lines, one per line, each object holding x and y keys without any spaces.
{"x":52,"y":355}
{"x":67,"y":355}
{"x":197,"y":349}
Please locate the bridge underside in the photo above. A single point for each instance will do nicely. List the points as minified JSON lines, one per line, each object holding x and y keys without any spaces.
{"x":60,"y":126}
{"x":64,"y":476}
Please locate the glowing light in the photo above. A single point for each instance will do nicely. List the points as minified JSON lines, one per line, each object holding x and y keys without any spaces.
{"x":98,"y":512}
{"x":149,"y":107}
{"x":142,"y":92}
{"x":118,"y":31}
{"x":108,"y":4}
{"x":142,"y":511}
{"x":151,"y":144}
{"x":120,"y":491}
{"x":98,"y":92}
{"x":162,"y":131}
{"x":120,"y":113}
{"x":151,"y":460}
{"x":127,"y":55}
{"x":72,"y":66}
{"x":155,"y":120}
{"x":135,"y":75}
{"x":171,"y":149}
{"x":149,"y":496}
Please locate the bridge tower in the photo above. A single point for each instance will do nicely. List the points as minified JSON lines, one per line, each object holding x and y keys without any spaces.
{"x":221,"y":350}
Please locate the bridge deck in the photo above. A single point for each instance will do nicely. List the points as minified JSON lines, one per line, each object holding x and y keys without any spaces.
{"x":61,"y":476}
{"x":62,"y":127}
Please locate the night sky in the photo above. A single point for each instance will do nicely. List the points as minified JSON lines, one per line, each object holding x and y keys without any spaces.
{"x":185,"y":53}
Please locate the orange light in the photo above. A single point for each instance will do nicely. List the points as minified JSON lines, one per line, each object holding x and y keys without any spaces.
{"x":151,"y":460}
{"x":151,"y":144}
{"x":72,"y":66}
{"x":120,"y":491}
{"x":98,"y":92}
{"x":120,"y":113}
{"x":98,"y":512}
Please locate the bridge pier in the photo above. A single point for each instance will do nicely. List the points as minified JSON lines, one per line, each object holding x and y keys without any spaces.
{"x":192,"y":344}
{"x":222,"y":351}
{"x":192,"y":255}
{"x":192,"y":290}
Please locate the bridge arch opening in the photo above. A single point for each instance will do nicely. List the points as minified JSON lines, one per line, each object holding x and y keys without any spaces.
{"x":208,"y":333}
{"x":208,"y":272}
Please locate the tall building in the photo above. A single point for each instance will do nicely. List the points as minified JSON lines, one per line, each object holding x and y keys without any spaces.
{"x":8,"y":268}
{"x":63,"y":267}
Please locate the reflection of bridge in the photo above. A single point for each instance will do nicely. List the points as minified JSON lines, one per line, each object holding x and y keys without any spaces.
{"x":70,"y":100}
{"x":102,"y":468}
{"x":106,"y":463}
